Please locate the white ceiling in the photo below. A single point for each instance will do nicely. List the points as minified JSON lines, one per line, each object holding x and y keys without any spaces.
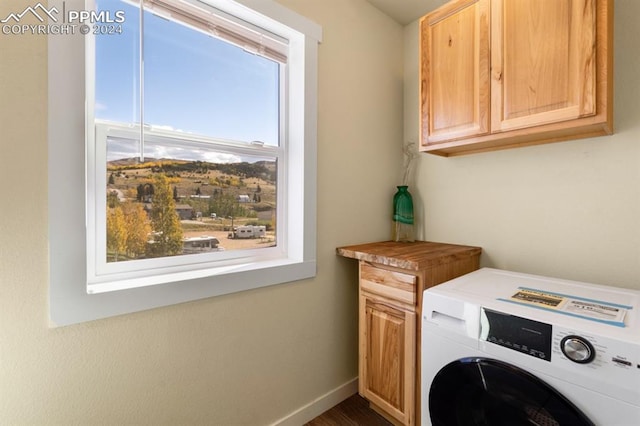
{"x":406,"y":11}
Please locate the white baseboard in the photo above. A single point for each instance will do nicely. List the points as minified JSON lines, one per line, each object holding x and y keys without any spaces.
{"x":319,"y":405}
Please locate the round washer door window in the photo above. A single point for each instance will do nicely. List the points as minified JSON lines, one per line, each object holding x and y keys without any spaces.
{"x":480,"y":391}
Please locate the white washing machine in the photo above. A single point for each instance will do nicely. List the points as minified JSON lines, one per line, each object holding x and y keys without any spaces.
{"x":504,"y":348}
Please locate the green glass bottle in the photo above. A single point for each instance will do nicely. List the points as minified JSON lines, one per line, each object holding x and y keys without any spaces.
{"x":402,"y":223}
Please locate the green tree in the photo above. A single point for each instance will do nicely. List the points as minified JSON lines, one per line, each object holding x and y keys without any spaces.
{"x":116,"y":232}
{"x":112,"y":199}
{"x":165,"y":222}
{"x":140,"y":192}
{"x":226,"y":205}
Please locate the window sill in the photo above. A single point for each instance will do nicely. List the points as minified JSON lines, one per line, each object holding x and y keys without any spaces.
{"x":76,"y":305}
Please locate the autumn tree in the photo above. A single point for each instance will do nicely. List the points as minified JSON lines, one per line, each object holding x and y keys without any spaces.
{"x":138,"y":229}
{"x":116,"y":232}
{"x":165,"y":222}
{"x":128,"y":230}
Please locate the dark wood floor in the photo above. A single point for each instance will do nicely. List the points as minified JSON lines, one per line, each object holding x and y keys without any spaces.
{"x":354,"y":411}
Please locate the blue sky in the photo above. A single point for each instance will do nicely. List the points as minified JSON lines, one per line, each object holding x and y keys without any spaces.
{"x":193,"y":82}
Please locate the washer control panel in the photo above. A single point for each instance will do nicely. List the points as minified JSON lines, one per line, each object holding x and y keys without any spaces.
{"x":524,"y":335}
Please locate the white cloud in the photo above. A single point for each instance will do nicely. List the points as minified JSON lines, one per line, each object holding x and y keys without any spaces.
{"x":128,"y":148}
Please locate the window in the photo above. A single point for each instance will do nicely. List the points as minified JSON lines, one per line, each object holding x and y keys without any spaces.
{"x":197,"y":176}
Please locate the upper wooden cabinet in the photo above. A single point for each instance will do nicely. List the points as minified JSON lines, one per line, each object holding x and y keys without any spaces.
{"x":455,"y":85}
{"x":504,"y":73}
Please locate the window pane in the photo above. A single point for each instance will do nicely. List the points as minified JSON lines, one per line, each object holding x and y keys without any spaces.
{"x":167,"y":195}
{"x":196,"y":83}
{"x":117,"y":67}
{"x":193,"y":82}
{"x":186,"y":199}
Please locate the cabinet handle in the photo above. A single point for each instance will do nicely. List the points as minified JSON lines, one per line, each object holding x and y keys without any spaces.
{"x":388,"y":308}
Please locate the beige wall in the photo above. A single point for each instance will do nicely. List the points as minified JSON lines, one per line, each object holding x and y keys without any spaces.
{"x":249,"y":358}
{"x":569,"y":209}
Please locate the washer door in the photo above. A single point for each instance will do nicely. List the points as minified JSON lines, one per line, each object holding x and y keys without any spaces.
{"x":480,"y":391}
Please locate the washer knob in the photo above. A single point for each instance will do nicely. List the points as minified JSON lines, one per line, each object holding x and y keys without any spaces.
{"x":577,"y":349}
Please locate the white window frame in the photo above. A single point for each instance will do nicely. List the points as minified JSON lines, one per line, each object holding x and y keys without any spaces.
{"x":103,"y":276}
{"x":70,"y":190}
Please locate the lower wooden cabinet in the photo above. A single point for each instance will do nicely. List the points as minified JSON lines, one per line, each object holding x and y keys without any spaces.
{"x":392,"y":277}
{"x":387,"y":333}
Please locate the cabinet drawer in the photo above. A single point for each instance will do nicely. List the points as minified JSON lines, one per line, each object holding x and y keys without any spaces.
{"x":391,"y":284}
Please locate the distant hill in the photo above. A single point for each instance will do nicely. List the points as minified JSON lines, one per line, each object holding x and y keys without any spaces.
{"x":134,"y":162}
{"x":261,"y":169}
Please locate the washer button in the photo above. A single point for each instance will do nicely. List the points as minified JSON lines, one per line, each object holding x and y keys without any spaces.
{"x":577,"y":349}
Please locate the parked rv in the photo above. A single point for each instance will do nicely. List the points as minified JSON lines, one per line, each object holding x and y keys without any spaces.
{"x":202,"y":244}
{"x":248,"y":231}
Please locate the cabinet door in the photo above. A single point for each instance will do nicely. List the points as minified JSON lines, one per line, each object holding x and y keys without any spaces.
{"x":387,"y":357}
{"x":455,"y":83}
{"x":543,"y":62}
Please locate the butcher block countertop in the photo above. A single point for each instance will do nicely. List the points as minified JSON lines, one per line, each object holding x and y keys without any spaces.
{"x":411,"y":256}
